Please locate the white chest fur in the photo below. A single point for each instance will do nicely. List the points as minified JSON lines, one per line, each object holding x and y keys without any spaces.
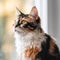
{"x":31,"y":39}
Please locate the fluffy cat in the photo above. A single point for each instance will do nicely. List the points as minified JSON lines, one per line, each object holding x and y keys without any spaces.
{"x":31,"y":41}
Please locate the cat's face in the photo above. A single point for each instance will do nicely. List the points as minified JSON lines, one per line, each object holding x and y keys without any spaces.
{"x":27,"y":22}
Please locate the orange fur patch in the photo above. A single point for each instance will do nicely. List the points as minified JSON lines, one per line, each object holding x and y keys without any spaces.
{"x":27,"y":19}
{"x":51,"y":49}
{"x":31,"y":52}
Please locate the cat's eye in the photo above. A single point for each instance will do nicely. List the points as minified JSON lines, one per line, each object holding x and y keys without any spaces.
{"x":25,"y":26}
{"x":32,"y":26}
{"x":23,"y":22}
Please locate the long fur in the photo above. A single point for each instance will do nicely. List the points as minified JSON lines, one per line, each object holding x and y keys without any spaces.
{"x":31,"y":41}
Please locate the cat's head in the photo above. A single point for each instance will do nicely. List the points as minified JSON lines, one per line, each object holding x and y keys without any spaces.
{"x":27,"y":22}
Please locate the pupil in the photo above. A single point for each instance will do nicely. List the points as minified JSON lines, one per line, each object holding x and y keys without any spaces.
{"x":25,"y":25}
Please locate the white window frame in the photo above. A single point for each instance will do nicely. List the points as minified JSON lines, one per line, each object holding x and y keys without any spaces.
{"x":43,"y":13}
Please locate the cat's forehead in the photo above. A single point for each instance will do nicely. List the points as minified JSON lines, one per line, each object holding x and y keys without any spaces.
{"x":28,"y":18}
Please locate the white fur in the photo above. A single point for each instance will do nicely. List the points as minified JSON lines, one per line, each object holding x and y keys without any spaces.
{"x":28,"y":39}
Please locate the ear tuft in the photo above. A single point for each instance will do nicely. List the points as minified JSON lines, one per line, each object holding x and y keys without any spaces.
{"x":34,"y":12}
{"x":19,"y":12}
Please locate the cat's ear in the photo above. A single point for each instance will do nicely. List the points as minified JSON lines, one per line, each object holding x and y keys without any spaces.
{"x":19,"y":12}
{"x":34,"y":12}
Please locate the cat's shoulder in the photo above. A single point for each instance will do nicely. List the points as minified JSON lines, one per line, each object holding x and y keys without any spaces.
{"x":49,"y":37}
{"x":51,"y":41}
{"x":50,"y":44}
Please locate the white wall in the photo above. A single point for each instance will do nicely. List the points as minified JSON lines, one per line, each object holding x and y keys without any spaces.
{"x":54,"y":19}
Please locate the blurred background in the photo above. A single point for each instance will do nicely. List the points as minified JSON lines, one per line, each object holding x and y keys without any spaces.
{"x":49,"y":11}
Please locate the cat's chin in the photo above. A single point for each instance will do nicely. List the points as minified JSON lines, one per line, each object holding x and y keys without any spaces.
{"x":17,"y":31}
{"x":20,"y":32}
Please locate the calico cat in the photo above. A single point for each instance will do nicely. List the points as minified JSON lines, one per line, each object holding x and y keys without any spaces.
{"x":31,"y":41}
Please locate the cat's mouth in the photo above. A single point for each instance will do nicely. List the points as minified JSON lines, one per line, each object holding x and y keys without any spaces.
{"x":22,"y":30}
{"x":19,"y":30}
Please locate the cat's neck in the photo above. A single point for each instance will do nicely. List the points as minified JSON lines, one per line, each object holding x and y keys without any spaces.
{"x":31,"y":39}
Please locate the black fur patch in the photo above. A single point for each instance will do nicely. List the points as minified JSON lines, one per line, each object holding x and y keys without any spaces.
{"x":18,"y":24}
{"x":38,"y":20}
{"x":32,"y":25}
{"x":44,"y":54}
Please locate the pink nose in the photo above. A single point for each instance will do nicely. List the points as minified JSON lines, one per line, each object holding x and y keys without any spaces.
{"x":14,"y":26}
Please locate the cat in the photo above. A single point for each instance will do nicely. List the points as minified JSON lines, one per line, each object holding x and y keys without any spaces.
{"x":32,"y":43}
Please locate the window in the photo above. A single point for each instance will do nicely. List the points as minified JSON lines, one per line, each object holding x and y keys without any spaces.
{"x":43,"y":13}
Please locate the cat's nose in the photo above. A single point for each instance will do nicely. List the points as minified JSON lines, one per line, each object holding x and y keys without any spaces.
{"x":16,"y":26}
